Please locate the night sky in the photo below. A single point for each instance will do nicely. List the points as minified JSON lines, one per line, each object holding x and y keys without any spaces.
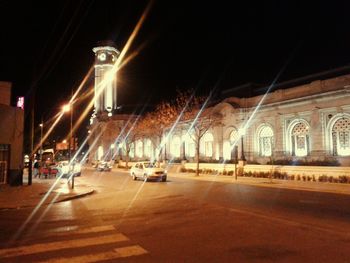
{"x":48,"y":45}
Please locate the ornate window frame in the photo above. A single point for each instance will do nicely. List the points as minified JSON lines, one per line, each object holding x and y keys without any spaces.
{"x":289,"y":143}
{"x":329,"y":130}
{"x":258,"y":148}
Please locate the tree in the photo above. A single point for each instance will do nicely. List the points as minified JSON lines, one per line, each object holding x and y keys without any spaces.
{"x":154,"y":124}
{"x":199,"y":125}
{"x":128,"y":136}
{"x":199,"y":119}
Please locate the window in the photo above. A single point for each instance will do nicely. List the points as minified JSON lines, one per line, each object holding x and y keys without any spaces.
{"x":208,"y":144}
{"x":100,"y":153}
{"x":300,"y":139}
{"x":230,"y":146}
{"x":148,"y":148}
{"x":175,"y":146}
{"x":132,"y":150}
{"x":139,"y":148}
{"x":265,"y":141}
{"x":341,"y":137}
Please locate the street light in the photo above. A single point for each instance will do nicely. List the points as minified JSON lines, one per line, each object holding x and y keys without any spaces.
{"x":241,"y":132}
{"x":41,"y":140}
{"x":69,"y":108}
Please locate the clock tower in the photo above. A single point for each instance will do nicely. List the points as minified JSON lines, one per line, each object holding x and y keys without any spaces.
{"x":105,"y":99}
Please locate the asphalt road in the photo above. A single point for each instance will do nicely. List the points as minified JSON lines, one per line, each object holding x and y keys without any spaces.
{"x":182,"y":220}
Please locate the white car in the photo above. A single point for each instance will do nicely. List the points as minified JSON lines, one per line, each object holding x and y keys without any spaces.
{"x":104,"y":166}
{"x":64,"y":170}
{"x":148,"y":170}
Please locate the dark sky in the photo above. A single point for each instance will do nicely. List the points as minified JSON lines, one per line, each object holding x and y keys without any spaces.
{"x":48,"y":44}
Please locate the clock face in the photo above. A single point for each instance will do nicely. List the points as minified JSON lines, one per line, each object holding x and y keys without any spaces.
{"x":102,"y":56}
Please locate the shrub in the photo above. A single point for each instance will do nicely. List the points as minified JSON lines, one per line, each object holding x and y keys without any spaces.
{"x":249,"y":174}
{"x":323,"y":178}
{"x":252,"y":162}
{"x":326,"y":162}
{"x":224,"y":172}
{"x":183,"y":170}
{"x":298,"y":177}
{"x":230,"y":173}
{"x":304,"y":178}
{"x":344,"y":179}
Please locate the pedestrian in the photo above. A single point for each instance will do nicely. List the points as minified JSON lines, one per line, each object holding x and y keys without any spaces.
{"x":36,"y":168}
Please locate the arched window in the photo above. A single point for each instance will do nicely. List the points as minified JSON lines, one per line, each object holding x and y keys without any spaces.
{"x":208,"y":144}
{"x":300,"y":139}
{"x":190,"y":146}
{"x":175,"y":146}
{"x":341,"y":137}
{"x":132,"y":150}
{"x":265,"y":139}
{"x":229,"y":147}
{"x":139,"y":148}
{"x":100,"y":153}
{"x":148,"y":148}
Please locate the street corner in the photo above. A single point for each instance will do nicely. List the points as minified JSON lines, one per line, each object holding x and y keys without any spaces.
{"x":74,"y":194}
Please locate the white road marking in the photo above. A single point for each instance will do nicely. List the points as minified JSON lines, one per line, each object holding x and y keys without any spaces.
{"x":117,"y":253}
{"x":130,"y":251}
{"x":94,"y":229}
{"x":65,"y":244}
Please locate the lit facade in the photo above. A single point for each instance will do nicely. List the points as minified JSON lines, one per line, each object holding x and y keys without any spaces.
{"x":310,"y":122}
{"x":105,"y":99}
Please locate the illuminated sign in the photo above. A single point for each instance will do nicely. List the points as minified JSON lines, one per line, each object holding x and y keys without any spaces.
{"x":20,"y":102}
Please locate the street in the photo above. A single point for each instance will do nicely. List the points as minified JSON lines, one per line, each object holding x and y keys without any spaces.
{"x":182,"y":220}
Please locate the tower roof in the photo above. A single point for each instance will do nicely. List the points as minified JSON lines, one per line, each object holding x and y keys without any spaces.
{"x":106,"y":43}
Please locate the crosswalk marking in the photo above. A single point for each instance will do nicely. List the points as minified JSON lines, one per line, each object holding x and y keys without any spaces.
{"x":57,"y":245}
{"x":95,"y":229}
{"x":130,"y":251}
{"x":117,"y":253}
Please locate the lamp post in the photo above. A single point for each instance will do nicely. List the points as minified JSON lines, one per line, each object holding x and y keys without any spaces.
{"x":69,"y":108}
{"x":41,"y":140}
{"x":241,"y":133}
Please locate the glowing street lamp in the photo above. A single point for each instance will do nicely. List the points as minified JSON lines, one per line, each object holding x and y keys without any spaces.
{"x":41,"y":140}
{"x":69,"y":108}
{"x":66,"y":108}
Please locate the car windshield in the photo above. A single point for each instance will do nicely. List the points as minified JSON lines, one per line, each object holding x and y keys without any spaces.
{"x":149,"y":165}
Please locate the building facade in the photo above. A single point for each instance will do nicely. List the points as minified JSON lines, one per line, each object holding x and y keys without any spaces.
{"x":308,"y":123}
{"x":11,"y":138}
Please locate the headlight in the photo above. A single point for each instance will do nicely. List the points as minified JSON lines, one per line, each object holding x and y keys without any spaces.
{"x":165,"y":171}
{"x":149,"y":173}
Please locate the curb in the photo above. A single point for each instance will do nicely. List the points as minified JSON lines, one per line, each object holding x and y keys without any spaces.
{"x":76,"y":196}
{"x":59,"y":201}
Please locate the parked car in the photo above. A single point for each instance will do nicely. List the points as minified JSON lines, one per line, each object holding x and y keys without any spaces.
{"x":104,"y":166}
{"x":65,"y":170}
{"x":148,"y":170}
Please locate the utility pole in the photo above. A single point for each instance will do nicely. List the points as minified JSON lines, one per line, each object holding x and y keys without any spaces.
{"x":41,"y":139}
{"x":31,"y":138}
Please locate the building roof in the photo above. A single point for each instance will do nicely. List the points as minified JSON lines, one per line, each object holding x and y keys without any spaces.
{"x":254,"y":89}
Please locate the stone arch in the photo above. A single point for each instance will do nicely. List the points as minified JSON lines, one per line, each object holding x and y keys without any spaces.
{"x":298,"y":138}
{"x":264,"y":139}
{"x":338,"y":135}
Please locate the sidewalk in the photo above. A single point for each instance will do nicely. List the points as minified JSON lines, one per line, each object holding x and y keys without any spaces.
{"x":337,"y":188}
{"x":24,"y":196}
{"x":324,"y":187}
